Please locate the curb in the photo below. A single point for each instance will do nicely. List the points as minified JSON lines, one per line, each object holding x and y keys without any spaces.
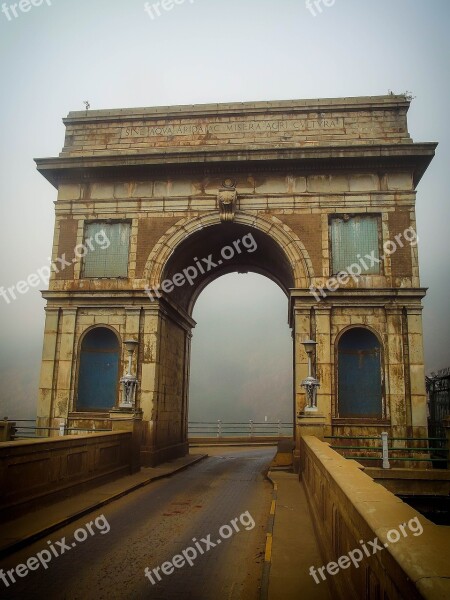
{"x":33,"y":537}
{"x":269,"y":539}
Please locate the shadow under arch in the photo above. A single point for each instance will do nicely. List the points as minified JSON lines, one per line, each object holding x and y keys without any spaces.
{"x":279,"y":254}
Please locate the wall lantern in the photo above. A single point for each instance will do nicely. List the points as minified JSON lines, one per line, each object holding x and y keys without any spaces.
{"x":129,"y":382}
{"x":311,"y":384}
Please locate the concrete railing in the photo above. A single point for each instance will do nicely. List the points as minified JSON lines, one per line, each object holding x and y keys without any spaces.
{"x":238,"y":433}
{"x":7,"y":430}
{"x":34,"y":470}
{"x":240,"y":429}
{"x":349,"y":509}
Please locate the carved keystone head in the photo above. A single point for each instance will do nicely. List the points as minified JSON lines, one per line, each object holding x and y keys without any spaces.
{"x":227,"y":200}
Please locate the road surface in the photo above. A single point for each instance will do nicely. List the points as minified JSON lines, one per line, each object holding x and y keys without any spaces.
{"x":216,"y":510}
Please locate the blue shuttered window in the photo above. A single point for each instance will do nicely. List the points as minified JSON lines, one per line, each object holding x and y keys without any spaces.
{"x":359,"y":375}
{"x":113,"y":260}
{"x":353,"y":236}
{"x":98,"y":376}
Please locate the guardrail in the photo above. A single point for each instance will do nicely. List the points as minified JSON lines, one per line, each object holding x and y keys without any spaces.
{"x":343,"y":518}
{"x":29,"y":430}
{"x":389,"y":452}
{"x":225,"y":429}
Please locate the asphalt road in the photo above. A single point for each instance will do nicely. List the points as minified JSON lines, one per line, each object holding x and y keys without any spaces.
{"x":219,"y":507}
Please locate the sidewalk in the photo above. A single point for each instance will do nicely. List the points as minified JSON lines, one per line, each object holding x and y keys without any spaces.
{"x":41,"y":522}
{"x":294,"y":548}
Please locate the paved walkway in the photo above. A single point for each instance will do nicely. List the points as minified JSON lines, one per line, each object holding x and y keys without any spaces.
{"x":294,"y":545}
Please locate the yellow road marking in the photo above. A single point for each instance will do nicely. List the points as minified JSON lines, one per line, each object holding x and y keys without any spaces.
{"x":268,"y":555}
{"x":272,"y":508}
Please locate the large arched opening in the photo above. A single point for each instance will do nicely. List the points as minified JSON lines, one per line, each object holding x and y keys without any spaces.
{"x":241,"y":380}
{"x":189,"y":257}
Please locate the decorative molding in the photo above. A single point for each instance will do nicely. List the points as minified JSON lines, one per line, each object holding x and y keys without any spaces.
{"x":227,"y":200}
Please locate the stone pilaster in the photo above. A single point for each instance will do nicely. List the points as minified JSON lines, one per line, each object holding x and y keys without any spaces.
{"x":48,"y":368}
{"x":396,"y":381}
{"x":324,"y":370}
{"x":66,"y":365}
{"x":417,"y":372}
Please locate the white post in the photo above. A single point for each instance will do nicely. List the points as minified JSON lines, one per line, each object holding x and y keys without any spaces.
{"x":219,"y":428}
{"x":384,"y":441}
{"x":62,"y":427}
{"x":251,"y":428}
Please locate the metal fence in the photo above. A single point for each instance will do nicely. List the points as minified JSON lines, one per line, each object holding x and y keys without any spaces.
{"x":438,"y":389}
{"x":226,"y":429}
{"x":384,"y":449}
{"x":28,"y":429}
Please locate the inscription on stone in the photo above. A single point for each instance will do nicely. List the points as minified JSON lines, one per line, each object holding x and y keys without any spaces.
{"x":300,"y":125}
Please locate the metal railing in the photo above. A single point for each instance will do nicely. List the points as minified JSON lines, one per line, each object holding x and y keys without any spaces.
{"x":28,"y":429}
{"x":390,"y":452}
{"x":226,"y":429}
{"x":438,"y":389}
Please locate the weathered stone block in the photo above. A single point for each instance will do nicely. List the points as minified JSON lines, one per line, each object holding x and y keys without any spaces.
{"x":143,"y":189}
{"x":102,"y":191}
{"x":327,"y":183}
{"x":69,"y":191}
{"x":364,"y":183}
{"x":399,"y":181}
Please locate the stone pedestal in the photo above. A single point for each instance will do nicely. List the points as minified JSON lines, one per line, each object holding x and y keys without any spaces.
{"x":309,"y":422}
{"x":123,"y":419}
{"x":7,"y":430}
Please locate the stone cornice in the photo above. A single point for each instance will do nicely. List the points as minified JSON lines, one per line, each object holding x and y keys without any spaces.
{"x":189,"y":160}
{"x":119,"y":299}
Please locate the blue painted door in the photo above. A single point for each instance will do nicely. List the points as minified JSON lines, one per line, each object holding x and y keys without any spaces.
{"x":359,"y":375}
{"x":99,"y":370}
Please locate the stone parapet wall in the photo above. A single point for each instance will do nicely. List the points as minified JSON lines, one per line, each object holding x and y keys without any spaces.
{"x":348,"y":508}
{"x":370,"y":120}
{"x":34,"y":470}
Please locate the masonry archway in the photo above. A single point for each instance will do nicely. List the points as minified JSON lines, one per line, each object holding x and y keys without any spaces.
{"x":207,"y":176}
{"x":210,"y":248}
{"x":280,"y":255}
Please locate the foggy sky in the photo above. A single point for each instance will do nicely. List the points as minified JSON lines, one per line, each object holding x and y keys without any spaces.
{"x":113,"y":54}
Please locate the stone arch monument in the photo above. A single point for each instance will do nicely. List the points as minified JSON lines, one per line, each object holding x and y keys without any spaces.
{"x":155,"y":203}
